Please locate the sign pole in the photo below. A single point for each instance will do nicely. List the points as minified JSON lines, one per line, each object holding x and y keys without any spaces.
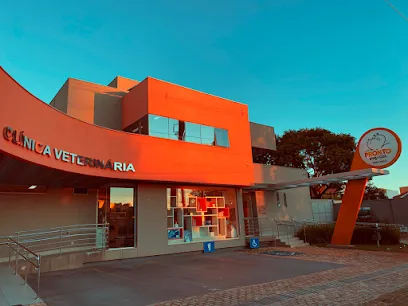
{"x":378,"y":148}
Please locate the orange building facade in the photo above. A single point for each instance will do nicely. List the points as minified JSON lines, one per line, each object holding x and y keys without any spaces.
{"x":166,"y":166}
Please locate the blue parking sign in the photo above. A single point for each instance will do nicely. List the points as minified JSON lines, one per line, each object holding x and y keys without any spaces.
{"x":209,"y":247}
{"x":254,"y":243}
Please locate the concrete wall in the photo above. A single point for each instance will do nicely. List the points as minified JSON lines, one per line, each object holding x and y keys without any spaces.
{"x":393,"y":211}
{"x":123,"y":83}
{"x":92,"y":103}
{"x":108,"y":110}
{"x":400,"y":208}
{"x":298,"y":199}
{"x":298,"y":204}
{"x":57,"y":207}
{"x":264,"y":174}
{"x":134,"y":104}
{"x":96,"y":104}
{"x":60,"y":100}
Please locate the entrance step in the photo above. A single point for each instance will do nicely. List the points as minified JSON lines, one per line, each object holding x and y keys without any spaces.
{"x":292,"y":242}
{"x":282,"y":241}
{"x":272,"y":243}
{"x":13,"y":291}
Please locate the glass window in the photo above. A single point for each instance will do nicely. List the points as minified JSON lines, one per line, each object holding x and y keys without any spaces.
{"x":277,"y":199}
{"x":144,"y":125}
{"x":193,"y":139}
{"x":158,"y":126}
{"x":138,"y":127}
{"x":173,"y":129}
{"x":207,"y":135}
{"x":193,"y":132}
{"x":285,"y":201}
{"x":221,"y":138}
{"x":116,"y":207}
{"x":200,"y":214}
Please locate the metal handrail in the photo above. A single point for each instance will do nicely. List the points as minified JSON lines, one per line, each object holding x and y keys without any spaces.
{"x":48,"y":230}
{"x":55,"y":237}
{"x":66,"y":237}
{"x":357,"y":223}
{"x":289,"y":224}
{"x":17,"y":253}
{"x":289,"y":228}
{"x":262,"y":226}
{"x":29,"y":244}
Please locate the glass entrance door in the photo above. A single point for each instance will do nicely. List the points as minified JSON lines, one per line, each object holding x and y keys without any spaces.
{"x":116,"y":207}
{"x":250,"y":214}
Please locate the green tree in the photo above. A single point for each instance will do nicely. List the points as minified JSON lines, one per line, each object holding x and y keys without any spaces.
{"x":374,"y":193}
{"x":318,"y":151}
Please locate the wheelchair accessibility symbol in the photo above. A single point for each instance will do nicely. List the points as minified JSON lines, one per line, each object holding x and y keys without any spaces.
{"x":209,"y":247}
{"x":254,"y":243}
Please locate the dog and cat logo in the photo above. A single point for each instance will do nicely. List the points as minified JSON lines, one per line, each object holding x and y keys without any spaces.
{"x":379,"y":147}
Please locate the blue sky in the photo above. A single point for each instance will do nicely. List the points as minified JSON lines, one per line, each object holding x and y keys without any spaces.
{"x":341,"y":65}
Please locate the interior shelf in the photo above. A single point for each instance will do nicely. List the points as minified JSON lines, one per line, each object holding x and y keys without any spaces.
{"x":197,"y":218}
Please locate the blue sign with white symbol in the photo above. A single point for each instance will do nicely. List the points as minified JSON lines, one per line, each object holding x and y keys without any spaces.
{"x":254,"y":243}
{"x":209,"y":247}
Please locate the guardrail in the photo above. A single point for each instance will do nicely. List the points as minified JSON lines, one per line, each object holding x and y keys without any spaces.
{"x":30,"y":245}
{"x":23,"y":252}
{"x":268,"y":229}
{"x":368,"y":224}
{"x":264,"y":228}
{"x":4,"y":246}
{"x":78,"y":237}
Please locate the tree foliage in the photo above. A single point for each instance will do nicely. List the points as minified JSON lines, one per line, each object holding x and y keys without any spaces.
{"x":374,"y":193}
{"x":318,"y":151}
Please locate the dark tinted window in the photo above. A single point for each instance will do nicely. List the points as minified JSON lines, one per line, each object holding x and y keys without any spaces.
{"x":175,"y":129}
{"x":80,"y":190}
{"x":139,"y":127}
{"x":221,"y":138}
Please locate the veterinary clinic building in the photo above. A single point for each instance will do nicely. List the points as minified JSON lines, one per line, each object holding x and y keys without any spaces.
{"x":166,"y":166}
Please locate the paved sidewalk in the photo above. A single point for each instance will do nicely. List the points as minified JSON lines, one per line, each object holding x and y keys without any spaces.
{"x":13,"y":291}
{"x":399,"y":297}
{"x":144,"y":281}
{"x":367,"y":276}
{"x":317,"y":276}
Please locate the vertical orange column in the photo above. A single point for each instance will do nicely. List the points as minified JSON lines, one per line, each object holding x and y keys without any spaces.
{"x":346,"y":220}
{"x":350,"y":205}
